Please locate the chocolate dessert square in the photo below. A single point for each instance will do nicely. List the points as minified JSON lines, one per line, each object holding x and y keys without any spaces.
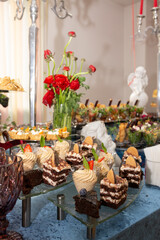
{"x":88,"y":204}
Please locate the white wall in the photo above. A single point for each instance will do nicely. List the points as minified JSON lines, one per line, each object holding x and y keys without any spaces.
{"x":99,"y":28}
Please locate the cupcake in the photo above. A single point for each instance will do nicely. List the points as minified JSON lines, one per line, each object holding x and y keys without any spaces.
{"x":85,"y":178}
{"x":28,"y":157}
{"x":43,"y":154}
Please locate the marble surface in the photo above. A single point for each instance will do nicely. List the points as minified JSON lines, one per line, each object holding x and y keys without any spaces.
{"x":139,"y":221}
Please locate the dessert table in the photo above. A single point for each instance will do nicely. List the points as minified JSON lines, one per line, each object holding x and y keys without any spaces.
{"x":138,"y":221}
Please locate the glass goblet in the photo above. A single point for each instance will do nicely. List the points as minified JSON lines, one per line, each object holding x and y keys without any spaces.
{"x":11,"y":179}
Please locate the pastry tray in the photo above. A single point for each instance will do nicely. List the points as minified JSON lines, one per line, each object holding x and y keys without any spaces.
{"x":105,"y":212}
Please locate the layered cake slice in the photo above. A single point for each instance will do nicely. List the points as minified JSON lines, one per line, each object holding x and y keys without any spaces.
{"x":113,"y":190}
{"x":74,"y":157}
{"x":131,"y":170}
{"x":87,"y":146}
{"x":87,"y":203}
{"x":133,"y":152}
{"x":55,"y":170}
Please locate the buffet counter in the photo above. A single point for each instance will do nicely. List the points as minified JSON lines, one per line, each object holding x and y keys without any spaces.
{"x":139,"y":221}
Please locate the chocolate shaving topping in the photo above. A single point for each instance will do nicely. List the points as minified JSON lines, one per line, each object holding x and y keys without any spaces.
{"x":127,"y":103}
{"x":86,"y":103}
{"x":56,"y":158}
{"x":110,"y":102}
{"x":119,"y":102}
{"x":95,"y":105}
{"x":136,"y":102}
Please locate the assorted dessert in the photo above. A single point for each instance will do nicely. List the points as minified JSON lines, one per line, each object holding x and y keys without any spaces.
{"x":90,"y":111}
{"x":131,"y":170}
{"x":55,"y":170}
{"x":142,"y":132}
{"x":87,"y":146}
{"x":9,"y":84}
{"x":74,"y":157}
{"x":35,"y":133}
{"x":113,"y":190}
{"x":133,"y":152}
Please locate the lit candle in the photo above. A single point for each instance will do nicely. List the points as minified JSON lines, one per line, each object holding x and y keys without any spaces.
{"x":155,"y":3}
{"x":141,"y":8}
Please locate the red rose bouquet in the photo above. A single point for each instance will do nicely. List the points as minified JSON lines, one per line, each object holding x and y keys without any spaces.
{"x":62,"y":88}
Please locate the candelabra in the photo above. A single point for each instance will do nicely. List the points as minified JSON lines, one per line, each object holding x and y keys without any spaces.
{"x":156,"y":30}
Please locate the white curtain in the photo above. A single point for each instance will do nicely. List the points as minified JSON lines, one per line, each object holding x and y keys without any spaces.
{"x":14,"y":59}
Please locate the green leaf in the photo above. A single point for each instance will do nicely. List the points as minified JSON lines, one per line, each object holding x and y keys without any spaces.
{"x":59,"y":139}
{"x":14,"y":123}
{"x":42,"y":141}
{"x":21,"y":148}
{"x":104,"y":148}
{"x":85,"y":163}
{"x":94,"y":154}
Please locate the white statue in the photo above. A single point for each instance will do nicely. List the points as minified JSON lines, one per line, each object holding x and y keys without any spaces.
{"x":138,"y":81}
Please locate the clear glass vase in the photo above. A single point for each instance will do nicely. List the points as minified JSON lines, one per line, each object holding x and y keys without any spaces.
{"x":62,"y":116}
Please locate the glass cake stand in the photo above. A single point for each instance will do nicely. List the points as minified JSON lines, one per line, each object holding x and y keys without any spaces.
{"x":68,"y":206}
{"x":36,"y":191}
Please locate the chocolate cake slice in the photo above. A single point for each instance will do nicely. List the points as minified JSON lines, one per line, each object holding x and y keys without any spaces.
{"x":31,"y":179}
{"x":131,"y":170}
{"x":88,"y":204}
{"x":55,"y":170}
{"x":113,"y":190}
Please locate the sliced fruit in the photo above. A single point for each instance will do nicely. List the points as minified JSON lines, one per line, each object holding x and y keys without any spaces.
{"x":131,"y":161}
{"x":88,"y":140}
{"x":91,"y":164}
{"x":111,"y":176}
{"x":27,"y":148}
{"x":133,"y":151}
{"x":76,"y":148}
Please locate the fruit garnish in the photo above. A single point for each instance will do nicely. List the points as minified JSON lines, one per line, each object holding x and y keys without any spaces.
{"x":101,"y":159}
{"x":27,"y":148}
{"x":42,"y":141}
{"x":131,"y":161}
{"x":111,"y":176}
{"x":83,"y":192}
{"x":88,"y":140}
{"x":133,"y":151}
{"x":95,"y":154}
{"x":104,"y":148}
{"x":85,"y":163}
{"x":91,"y":164}
{"x":76,"y":148}
{"x":59,"y":139}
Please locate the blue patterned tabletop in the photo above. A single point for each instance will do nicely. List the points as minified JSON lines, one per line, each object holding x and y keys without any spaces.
{"x":134,"y":223}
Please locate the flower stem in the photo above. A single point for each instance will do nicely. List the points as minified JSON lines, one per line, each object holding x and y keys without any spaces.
{"x":75,"y":67}
{"x":71,"y":66}
{"x":75,"y":75}
{"x":66,"y":48}
{"x":53,"y":66}
{"x":82,"y":61}
{"x":48,"y":69}
{"x":60,"y":64}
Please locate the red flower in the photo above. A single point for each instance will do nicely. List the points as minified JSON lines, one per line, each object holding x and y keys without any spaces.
{"x":49,"y":79}
{"x":61,"y":81}
{"x":57,"y":91}
{"x":92,"y":68}
{"x":48,"y":98}
{"x":72,"y":34}
{"x":69,"y":53}
{"x":47,"y":54}
{"x":74,"y":85}
{"x":65,"y":68}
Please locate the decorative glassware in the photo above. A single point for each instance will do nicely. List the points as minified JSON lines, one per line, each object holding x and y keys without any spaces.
{"x":62,"y":116}
{"x":11,"y":178}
